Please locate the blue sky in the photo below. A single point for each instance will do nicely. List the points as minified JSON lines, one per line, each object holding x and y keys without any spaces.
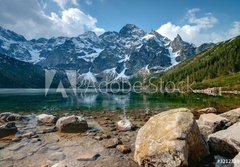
{"x":196,"y":21}
{"x":150,"y":14}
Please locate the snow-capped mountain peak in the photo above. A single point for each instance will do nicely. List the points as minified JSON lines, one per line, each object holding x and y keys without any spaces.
{"x":131,"y":30}
{"x":120,"y":55}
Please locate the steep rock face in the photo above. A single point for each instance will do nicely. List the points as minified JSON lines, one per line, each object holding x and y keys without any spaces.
{"x":169,"y":139}
{"x":152,"y":54}
{"x":185,"y":50}
{"x":119,"y":54}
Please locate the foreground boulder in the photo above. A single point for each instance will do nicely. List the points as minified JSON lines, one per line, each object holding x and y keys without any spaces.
{"x":226,"y":142}
{"x":232,"y":115}
{"x":8,"y":129}
{"x":46,"y":119}
{"x":207,"y":110}
{"x":210,"y":123}
{"x":170,"y":139}
{"x":124,"y":125}
{"x":72,"y":124}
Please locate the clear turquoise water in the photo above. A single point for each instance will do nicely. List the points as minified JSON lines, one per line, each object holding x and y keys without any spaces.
{"x":33,"y":101}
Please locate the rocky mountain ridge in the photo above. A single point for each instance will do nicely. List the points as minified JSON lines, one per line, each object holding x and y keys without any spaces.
{"x":116,"y":55}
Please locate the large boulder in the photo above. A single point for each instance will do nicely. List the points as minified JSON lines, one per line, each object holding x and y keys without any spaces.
{"x":72,"y":124}
{"x":210,"y":123}
{"x":170,"y":139}
{"x":46,"y":119}
{"x":8,"y":129}
{"x":226,"y":142}
{"x":232,"y":115}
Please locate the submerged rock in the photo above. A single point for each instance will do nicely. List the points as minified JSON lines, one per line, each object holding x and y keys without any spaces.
{"x":124,"y":125}
{"x":57,"y":156}
{"x":47,"y":163}
{"x":8,"y":116}
{"x":46,"y":119}
{"x":226,"y":142}
{"x":49,"y":130}
{"x":124,"y":149}
{"x":88,"y":155}
{"x":210,"y":123}
{"x":72,"y":124}
{"x":170,"y":139}
{"x":1,"y":147}
{"x":112,"y":143}
{"x":27,"y":135}
{"x":232,"y":115}
{"x":8,"y":129}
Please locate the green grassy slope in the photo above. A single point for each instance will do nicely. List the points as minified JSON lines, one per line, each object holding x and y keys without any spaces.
{"x":219,"y":66}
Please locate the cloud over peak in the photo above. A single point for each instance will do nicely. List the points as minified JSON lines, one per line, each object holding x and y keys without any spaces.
{"x":196,"y":29}
{"x":192,"y":31}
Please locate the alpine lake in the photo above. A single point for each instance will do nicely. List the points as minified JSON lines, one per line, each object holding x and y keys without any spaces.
{"x":28,"y":101}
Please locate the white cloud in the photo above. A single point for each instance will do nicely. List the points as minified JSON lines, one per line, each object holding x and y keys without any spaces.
{"x":34,"y":23}
{"x":73,"y":20}
{"x":208,"y":21}
{"x":194,"y":30}
{"x":88,"y":2}
{"x":63,"y":3}
{"x":234,"y":30}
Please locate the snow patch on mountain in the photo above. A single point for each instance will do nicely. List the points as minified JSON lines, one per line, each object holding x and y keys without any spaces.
{"x":88,"y":77}
{"x":173,"y":56}
{"x":110,"y":71}
{"x":148,"y":36}
{"x":125,"y":59}
{"x":35,"y":58}
{"x":91,"y":57}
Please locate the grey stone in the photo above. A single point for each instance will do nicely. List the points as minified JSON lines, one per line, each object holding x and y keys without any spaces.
{"x":72,"y":124}
{"x":226,"y":142}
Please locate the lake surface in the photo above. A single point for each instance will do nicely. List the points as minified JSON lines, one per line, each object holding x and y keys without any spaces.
{"x":33,"y":101}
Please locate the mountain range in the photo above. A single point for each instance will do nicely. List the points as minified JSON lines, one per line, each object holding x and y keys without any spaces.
{"x":112,"y":55}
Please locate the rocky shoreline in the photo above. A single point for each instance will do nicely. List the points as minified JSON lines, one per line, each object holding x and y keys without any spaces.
{"x":177,"y":137}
